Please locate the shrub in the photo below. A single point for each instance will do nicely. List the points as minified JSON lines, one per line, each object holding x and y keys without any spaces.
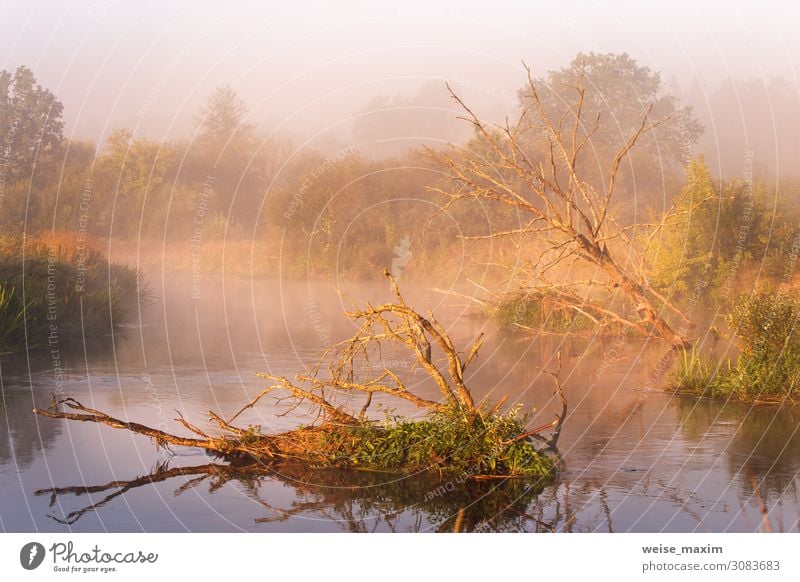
{"x":477,"y":444}
{"x":768,"y":367}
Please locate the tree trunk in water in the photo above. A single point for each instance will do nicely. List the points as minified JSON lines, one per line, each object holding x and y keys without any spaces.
{"x":635,"y":292}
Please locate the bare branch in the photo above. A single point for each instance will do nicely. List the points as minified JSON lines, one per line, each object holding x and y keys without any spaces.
{"x":577,"y":212}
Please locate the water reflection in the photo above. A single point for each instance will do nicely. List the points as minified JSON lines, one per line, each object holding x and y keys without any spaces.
{"x":763,"y":445}
{"x":357,"y":501}
{"x":28,"y":381}
{"x":22,"y":437}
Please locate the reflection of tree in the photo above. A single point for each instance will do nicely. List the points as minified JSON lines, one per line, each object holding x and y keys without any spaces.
{"x":764,"y":446}
{"x":358,"y":501}
{"x":22,"y":436}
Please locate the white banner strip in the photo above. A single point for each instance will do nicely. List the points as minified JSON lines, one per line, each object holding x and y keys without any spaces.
{"x":399,"y":557}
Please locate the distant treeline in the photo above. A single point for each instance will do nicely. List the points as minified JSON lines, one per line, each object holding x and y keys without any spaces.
{"x":347,"y":211}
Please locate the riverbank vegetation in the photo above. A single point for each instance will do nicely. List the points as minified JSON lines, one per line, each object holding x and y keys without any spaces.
{"x":594,"y":213}
{"x":767,"y":367}
{"x":538,"y":311}
{"x":729,"y":256}
{"x":54,"y":292}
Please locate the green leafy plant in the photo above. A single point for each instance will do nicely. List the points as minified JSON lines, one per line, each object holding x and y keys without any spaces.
{"x":768,"y":367}
{"x":481,"y":443}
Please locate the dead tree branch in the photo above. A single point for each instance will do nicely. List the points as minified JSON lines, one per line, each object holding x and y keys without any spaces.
{"x":570,"y":218}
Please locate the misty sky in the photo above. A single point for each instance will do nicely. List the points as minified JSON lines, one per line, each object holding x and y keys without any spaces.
{"x":308,"y":66}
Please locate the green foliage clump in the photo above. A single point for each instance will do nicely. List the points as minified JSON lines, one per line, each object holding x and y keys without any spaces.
{"x":720,"y":234}
{"x":768,"y":368}
{"x":452,"y":440}
{"x":251,"y":436}
{"x":537,"y":310}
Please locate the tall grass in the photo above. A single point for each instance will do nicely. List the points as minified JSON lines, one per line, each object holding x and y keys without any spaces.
{"x":55,"y":289}
{"x":697,"y":372}
{"x":768,"y":367}
{"x":12,"y":322}
{"x":538,"y":310}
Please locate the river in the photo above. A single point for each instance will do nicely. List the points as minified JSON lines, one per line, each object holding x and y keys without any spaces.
{"x":634,"y":458}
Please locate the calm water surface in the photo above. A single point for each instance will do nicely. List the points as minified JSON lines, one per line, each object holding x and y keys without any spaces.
{"x":634,"y":458}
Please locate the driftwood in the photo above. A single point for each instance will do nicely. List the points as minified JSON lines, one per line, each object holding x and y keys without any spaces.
{"x":338,"y":373}
{"x":234,"y":444}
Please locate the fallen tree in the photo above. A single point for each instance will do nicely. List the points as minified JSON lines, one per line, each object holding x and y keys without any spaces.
{"x":456,"y":435}
{"x":572,"y":244}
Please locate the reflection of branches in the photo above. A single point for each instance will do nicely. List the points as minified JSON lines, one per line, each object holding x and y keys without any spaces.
{"x":359,"y":501}
{"x":558,"y":423}
{"x":762,"y":507}
{"x":160,"y":474}
{"x":682,"y":499}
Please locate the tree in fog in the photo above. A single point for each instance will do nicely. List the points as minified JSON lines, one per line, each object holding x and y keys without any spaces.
{"x":559,"y":166}
{"x":619,"y":92}
{"x":30,"y":123}
{"x":389,"y":127}
{"x":128,"y":184}
{"x":30,"y":135}
{"x":241,"y":160}
{"x":222,"y":118}
{"x":758,"y":116}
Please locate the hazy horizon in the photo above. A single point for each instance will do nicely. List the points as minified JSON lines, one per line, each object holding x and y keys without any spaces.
{"x":306,"y":71}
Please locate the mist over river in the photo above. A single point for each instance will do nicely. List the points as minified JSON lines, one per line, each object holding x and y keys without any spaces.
{"x":634,"y":457}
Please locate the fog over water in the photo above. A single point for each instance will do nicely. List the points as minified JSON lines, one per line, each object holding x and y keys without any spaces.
{"x":635,"y":459}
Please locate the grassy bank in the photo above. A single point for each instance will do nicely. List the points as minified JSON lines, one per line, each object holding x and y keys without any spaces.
{"x":57,"y":289}
{"x":767,"y":368}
